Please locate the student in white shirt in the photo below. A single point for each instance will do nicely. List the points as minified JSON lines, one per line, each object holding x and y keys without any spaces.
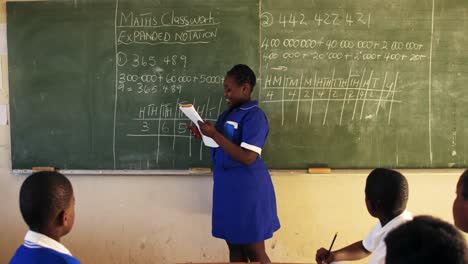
{"x":386,"y":197}
{"x":426,"y":240}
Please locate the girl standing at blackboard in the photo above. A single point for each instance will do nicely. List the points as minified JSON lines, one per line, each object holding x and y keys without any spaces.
{"x":244,"y":203}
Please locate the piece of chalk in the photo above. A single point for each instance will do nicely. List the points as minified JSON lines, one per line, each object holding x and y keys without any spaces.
{"x":319,"y":170}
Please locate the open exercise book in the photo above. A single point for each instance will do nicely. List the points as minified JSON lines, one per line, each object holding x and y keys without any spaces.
{"x":193,"y":115}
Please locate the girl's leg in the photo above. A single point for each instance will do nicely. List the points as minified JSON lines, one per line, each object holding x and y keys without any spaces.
{"x":237,"y":253}
{"x":256,"y":252}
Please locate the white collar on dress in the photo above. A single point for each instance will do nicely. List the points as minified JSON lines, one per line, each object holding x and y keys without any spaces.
{"x":247,"y":108}
{"x":36,"y":240}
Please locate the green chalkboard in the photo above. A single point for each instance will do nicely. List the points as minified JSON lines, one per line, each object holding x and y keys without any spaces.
{"x":351,"y":84}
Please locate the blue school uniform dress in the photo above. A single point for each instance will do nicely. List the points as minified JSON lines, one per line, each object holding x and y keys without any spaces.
{"x":244,"y":203}
{"x":41,"y":249}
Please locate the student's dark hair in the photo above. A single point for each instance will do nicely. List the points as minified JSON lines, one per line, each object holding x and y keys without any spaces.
{"x":425,"y":240}
{"x":388,"y":189}
{"x":243,"y":74}
{"x":464,"y":182}
{"x":42,"y":196}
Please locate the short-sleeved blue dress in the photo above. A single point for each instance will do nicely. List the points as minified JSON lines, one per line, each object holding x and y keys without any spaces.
{"x":244,"y":203}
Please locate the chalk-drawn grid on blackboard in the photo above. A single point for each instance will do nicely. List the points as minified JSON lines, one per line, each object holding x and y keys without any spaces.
{"x":167,"y":121}
{"x":357,"y":89}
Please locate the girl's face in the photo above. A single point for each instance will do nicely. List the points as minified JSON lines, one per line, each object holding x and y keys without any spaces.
{"x":235,"y":94}
{"x":460,"y":208}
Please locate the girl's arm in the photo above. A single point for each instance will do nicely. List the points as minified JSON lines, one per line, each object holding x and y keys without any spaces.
{"x":237,"y":153}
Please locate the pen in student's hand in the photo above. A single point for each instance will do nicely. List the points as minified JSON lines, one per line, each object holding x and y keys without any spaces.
{"x":329,"y":250}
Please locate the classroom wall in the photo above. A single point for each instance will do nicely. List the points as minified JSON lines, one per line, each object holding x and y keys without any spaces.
{"x":166,"y":219}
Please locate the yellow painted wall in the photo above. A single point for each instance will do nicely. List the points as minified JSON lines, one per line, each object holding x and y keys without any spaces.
{"x":166,"y":219}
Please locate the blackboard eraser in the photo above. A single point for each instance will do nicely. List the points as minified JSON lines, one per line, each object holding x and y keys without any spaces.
{"x":200,"y":170}
{"x":36,"y":169}
{"x":318,"y":170}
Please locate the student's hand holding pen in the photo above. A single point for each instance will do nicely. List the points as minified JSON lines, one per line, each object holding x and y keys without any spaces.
{"x":323,"y":256}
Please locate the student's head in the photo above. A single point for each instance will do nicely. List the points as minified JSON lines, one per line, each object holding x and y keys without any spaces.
{"x":386,"y":193}
{"x":426,"y":240}
{"x":238,"y":85}
{"x":47,"y":203}
{"x":460,"y":205}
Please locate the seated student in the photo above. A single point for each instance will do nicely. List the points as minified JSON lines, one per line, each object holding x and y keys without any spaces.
{"x":460,"y":204}
{"x":47,"y":205}
{"x":386,"y":196}
{"x":426,"y":240}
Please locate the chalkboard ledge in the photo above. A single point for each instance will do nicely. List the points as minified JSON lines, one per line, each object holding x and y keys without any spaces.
{"x":274,"y":172}
{"x":123,"y":172}
{"x":352,"y":172}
